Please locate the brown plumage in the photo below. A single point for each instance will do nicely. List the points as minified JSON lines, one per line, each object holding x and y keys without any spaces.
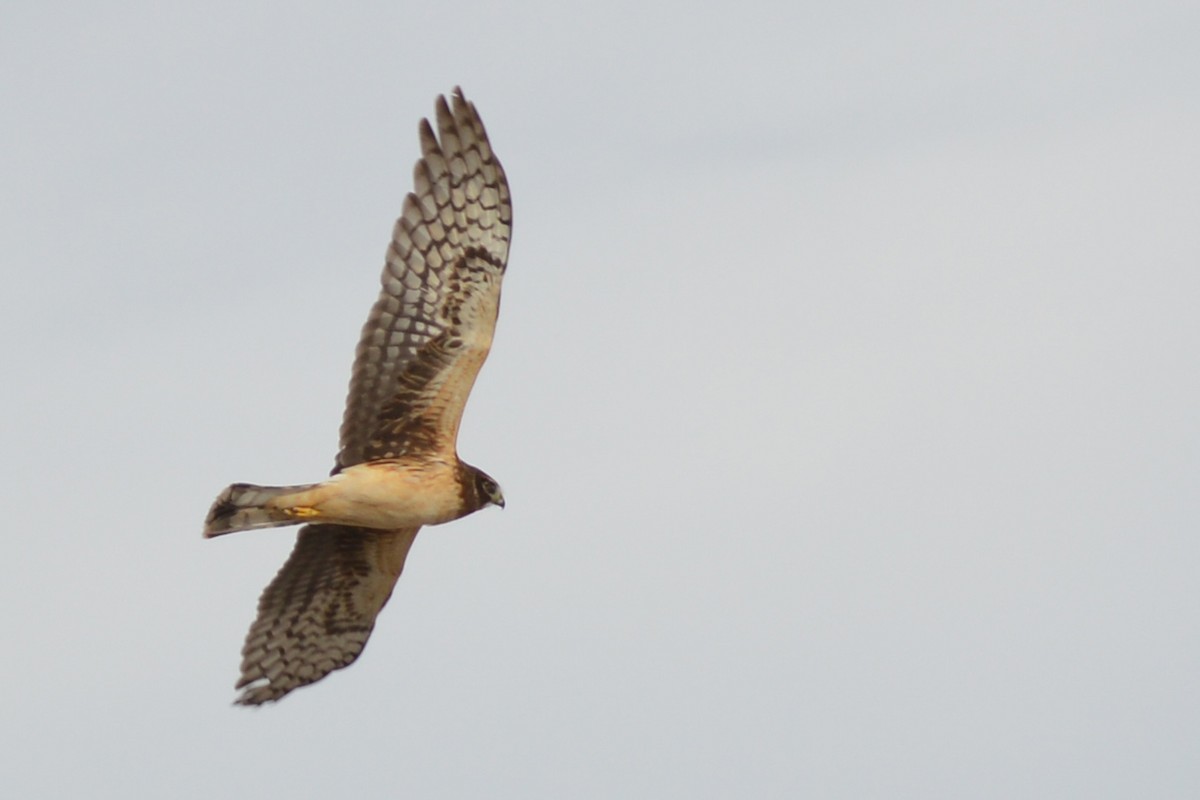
{"x":398,"y":468}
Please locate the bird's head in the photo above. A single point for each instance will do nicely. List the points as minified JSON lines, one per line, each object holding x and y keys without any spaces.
{"x":487,"y":490}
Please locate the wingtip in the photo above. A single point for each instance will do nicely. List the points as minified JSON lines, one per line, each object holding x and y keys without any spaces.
{"x":459,"y":100}
{"x":258,"y":692}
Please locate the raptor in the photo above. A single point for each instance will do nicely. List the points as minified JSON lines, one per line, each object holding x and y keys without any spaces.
{"x":397,"y":468}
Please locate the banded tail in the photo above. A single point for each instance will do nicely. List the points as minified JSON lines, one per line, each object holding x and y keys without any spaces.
{"x":244,"y":507}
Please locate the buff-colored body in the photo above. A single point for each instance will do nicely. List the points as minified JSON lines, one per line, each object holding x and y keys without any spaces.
{"x":382,"y":495}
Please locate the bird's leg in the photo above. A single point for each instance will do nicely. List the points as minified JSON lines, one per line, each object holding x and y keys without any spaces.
{"x":301,"y":512}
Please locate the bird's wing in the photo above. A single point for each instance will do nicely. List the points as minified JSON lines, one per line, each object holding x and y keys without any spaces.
{"x":318,"y":613}
{"x":431,"y":328}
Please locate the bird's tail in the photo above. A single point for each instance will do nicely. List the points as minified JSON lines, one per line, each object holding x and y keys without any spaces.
{"x":244,"y":507}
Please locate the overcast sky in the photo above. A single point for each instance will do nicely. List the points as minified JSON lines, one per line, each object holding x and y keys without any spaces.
{"x":845,"y":398}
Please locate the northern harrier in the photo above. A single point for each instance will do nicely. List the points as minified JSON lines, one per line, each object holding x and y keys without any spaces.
{"x":398,"y":467}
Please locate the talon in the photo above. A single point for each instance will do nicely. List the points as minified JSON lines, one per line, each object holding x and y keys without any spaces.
{"x":302,"y":512}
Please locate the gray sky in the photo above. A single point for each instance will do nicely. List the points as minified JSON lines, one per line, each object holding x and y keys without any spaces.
{"x":844,"y":396}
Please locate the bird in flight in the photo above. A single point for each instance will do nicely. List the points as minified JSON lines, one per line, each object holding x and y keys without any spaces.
{"x":398,"y":467}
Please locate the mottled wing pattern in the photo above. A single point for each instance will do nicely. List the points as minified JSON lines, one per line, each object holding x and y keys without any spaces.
{"x":317,"y":614}
{"x":431,"y":328}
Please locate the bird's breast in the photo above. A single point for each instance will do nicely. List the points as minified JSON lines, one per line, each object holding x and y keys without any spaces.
{"x":393,"y":494}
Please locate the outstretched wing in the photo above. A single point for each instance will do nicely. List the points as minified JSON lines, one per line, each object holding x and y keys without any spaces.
{"x":318,"y":613}
{"x":431,"y":329}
